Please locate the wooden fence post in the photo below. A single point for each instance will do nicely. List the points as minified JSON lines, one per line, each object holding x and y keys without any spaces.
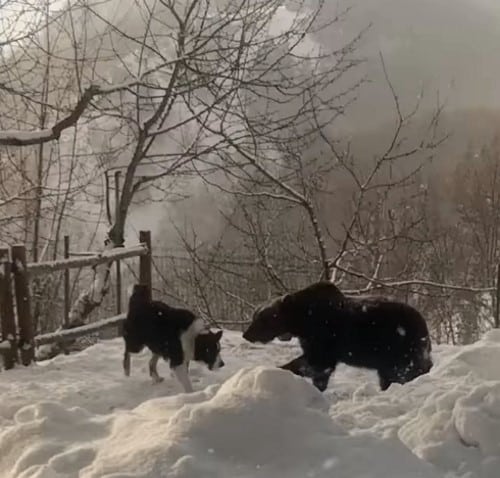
{"x":23,"y":304}
{"x":145,"y":261}
{"x":497,"y":309}
{"x":118,"y":265}
{"x":67,"y":304}
{"x":8,"y":319}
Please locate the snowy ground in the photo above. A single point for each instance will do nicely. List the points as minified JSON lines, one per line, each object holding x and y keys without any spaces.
{"x":78,"y":416}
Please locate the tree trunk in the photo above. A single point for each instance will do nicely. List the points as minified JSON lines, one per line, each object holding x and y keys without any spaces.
{"x":91,"y":298}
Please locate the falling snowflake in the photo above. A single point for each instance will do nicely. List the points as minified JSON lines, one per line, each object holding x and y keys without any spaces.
{"x":330,"y":463}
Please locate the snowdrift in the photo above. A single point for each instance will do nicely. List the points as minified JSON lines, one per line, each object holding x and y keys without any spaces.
{"x":260,"y":422}
{"x":450,"y":417}
{"x":78,"y":416}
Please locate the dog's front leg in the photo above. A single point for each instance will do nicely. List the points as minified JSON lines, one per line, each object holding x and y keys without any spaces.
{"x":126,"y":363}
{"x":181,"y":372}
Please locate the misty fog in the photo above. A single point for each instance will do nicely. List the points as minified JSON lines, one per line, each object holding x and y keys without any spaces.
{"x":445,"y":46}
{"x":445,"y":49}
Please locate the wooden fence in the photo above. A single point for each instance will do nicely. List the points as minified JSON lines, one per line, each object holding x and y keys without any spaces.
{"x":17,"y":330}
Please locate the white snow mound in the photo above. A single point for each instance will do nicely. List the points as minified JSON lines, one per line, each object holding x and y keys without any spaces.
{"x":262,"y":422}
{"x":77,"y":416}
{"x":450,"y":417}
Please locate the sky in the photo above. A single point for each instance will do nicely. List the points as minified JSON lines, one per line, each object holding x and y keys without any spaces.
{"x":445,"y":46}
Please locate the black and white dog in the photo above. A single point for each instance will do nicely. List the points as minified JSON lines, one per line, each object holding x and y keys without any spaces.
{"x":171,"y":333}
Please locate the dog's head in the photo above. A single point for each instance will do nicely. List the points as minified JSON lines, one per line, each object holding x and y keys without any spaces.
{"x":268,"y":322}
{"x":207,"y":349}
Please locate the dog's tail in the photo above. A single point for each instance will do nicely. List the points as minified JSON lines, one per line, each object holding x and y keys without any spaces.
{"x":138,"y":299}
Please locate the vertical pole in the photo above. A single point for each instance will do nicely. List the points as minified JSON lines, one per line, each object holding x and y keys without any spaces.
{"x":118,"y":265}
{"x":497,"y":311}
{"x":145,"y":269}
{"x":66,"y":284}
{"x":23,"y":304}
{"x":7,"y":317}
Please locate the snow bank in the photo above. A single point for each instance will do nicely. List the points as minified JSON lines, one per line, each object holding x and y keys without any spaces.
{"x":249,"y":429}
{"x":450,"y":418}
{"x":262,"y":422}
{"x":78,"y":416}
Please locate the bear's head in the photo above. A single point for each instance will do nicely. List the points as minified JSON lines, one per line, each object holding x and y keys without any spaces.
{"x":267,"y":323}
{"x":281,"y":318}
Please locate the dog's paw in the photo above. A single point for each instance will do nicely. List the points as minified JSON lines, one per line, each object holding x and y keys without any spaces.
{"x":157,"y":380}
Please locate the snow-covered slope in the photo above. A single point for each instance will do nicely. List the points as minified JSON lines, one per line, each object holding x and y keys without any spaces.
{"x":78,"y":416}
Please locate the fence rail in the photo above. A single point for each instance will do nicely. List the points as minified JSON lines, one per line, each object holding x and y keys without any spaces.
{"x":38,"y":268}
{"x":17,"y":325}
{"x":65,"y":335}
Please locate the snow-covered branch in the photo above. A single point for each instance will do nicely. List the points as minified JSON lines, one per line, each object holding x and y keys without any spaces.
{"x":27,"y":138}
{"x":376,"y":283}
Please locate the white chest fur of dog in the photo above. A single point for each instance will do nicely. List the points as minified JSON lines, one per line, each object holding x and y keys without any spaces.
{"x":188,"y":341}
{"x":188,"y":338}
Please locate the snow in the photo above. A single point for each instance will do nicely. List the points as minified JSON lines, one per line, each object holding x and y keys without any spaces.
{"x":79,"y":416}
{"x":23,"y":136}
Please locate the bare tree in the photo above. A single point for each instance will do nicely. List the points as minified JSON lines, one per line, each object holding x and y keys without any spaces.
{"x":344,"y":213}
{"x":47,"y":171}
{"x":234,"y":91}
{"x":220,"y":77}
{"x":169,"y":73}
{"x":466,"y":226}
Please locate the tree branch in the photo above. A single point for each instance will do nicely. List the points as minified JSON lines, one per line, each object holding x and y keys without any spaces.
{"x":27,"y":138}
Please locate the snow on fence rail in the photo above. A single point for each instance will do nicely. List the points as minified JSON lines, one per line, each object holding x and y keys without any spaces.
{"x":66,"y":335}
{"x":38,"y":268}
